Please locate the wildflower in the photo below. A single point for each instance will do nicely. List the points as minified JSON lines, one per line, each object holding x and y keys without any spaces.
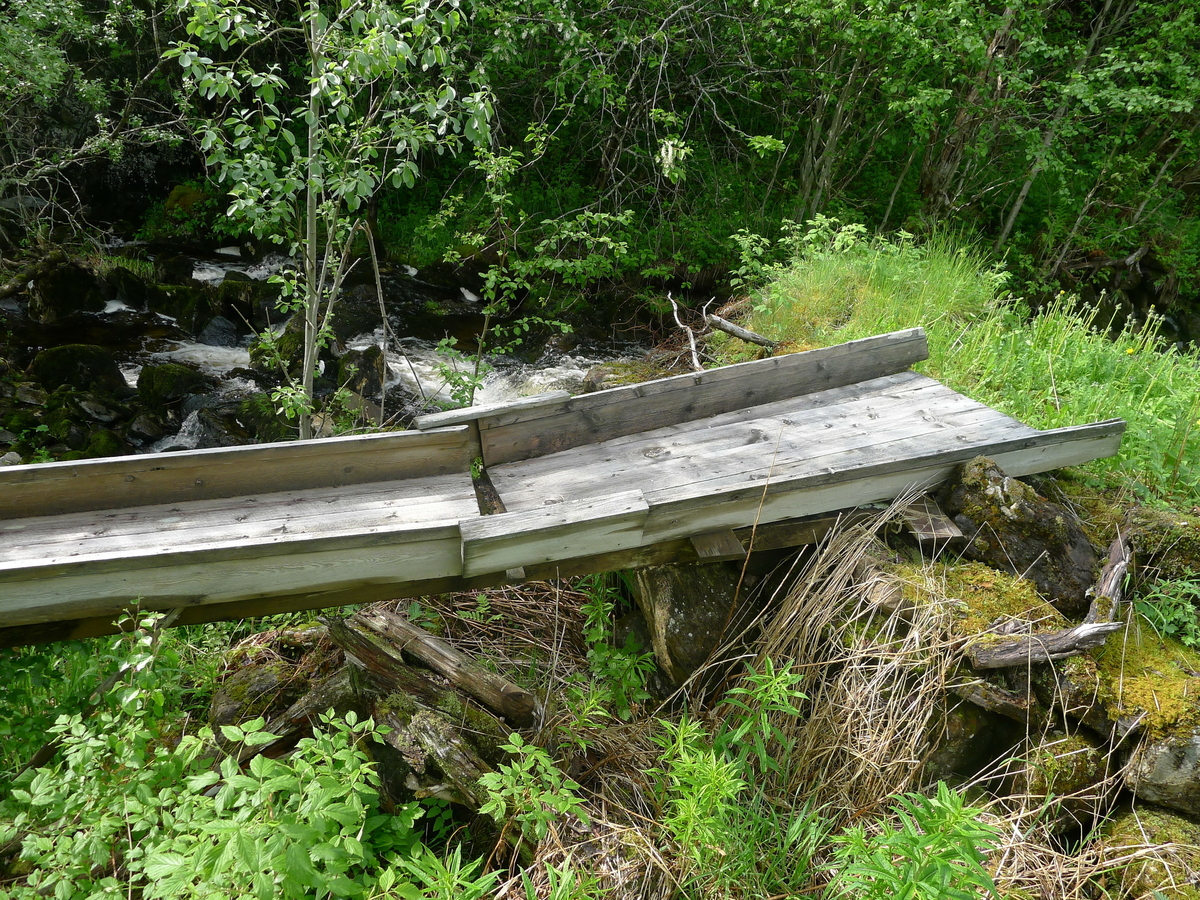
{"x":1131,"y":351}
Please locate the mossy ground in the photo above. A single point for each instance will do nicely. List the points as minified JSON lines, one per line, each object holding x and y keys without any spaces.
{"x":984,"y":598}
{"x":1140,"y":672}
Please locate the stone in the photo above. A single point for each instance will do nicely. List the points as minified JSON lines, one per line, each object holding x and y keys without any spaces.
{"x":1068,"y":774}
{"x":11,"y":458}
{"x":1166,"y":771}
{"x":690,"y":610}
{"x":167,"y":384}
{"x":66,"y":289}
{"x":362,"y":371}
{"x":144,"y":429}
{"x":81,"y":366}
{"x":1162,"y":849}
{"x":219,"y":332}
{"x":173,"y":269}
{"x":967,"y":740}
{"x":1011,"y":528}
{"x":126,"y":287}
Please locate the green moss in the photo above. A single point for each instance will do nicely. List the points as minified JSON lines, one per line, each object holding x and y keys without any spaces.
{"x":103,"y":442}
{"x":985,"y":598}
{"x":1167,"y":542}
{"x":1166,"y":853}
{"x":1063,"y":766}
{"x":1139,"y":672}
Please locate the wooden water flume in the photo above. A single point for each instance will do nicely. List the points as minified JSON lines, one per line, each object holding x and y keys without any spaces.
{"x":679,"y":469}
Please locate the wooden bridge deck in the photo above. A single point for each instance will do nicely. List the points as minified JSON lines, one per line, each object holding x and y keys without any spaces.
{"x":616,"y":478}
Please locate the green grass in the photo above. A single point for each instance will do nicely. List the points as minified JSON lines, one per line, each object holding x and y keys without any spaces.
{"x":1049,"y":370}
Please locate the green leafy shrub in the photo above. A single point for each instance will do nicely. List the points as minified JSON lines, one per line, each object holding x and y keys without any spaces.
{"x":531,"y":790}
{"x":130,"y":808}
{"x":1171,"y":609}
{"x":936,"y":853}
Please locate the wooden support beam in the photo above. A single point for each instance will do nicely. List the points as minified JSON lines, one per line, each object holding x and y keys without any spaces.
{"x":718,"y":546}
{"x":927,"y":523}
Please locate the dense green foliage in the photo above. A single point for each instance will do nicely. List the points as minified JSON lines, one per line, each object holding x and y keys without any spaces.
{"x":1063,"y":135}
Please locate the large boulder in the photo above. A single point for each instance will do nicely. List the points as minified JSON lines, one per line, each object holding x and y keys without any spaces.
{"x":690,"y":610}
{"x":1166,"y":771}
{"x":166,"y":385}
{"x":1008,"y":526}
{"x":67,"y":288}
{"x":84,"y":367}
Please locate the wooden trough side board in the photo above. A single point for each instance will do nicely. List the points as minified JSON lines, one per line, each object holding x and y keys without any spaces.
{"x":551,"y":424}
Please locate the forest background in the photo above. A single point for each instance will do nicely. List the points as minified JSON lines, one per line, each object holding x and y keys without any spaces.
{"x":1060,"y":136}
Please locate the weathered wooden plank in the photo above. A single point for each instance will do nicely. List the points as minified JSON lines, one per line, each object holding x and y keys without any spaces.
{"x":485,"y":410}
{"x":557,"y":532}
{"x":104,"y":584}
{"x":926,"y":521}
{"x":195,"y":524}
{"x":720,"y":453}
{"x":206,"y":474}
{"x":857,"y":485}
{"x":523,"y":434}
{"x":718,"y":546}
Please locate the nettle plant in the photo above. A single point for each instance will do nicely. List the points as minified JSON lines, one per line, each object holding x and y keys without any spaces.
{"x":382,"y":86}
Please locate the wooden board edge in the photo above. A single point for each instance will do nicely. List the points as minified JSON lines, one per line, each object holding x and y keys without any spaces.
{"x":475,"y":413}
{"x":518,"y":539}
{"x":779,"y":535}
{"x":108,"y":563}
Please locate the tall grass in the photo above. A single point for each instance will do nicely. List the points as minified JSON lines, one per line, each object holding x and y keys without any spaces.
{"x":1049,"y":370}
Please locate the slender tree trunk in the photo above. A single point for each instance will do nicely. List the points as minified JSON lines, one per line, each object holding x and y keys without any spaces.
{"x":312,"y":297}
{"x":1050,"y":134}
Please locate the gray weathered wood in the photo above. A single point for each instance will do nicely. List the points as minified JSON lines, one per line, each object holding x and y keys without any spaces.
{"x":556,"y":532}
{"x":516,"y":704}
{"x":718,"y":546}
{"x":523,"y":434}
{"x":926,"y":521}
{"x":484,"y":410}
{"x":105,"y":584}
{"x":206,"y":474}
{"x":743,"y":334}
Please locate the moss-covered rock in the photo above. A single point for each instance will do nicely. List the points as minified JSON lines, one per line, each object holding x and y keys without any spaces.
{"x":362,"y":371}
{"x":1167,"y":543}
{"x":1009,"y":526}
{"x":1159,"y":854}
{"x":81,"y":366}
{"x":167,"y":384}
{"x":66,"y":289}
{"x":1067,"y":772}
{"x":1152,"y":680}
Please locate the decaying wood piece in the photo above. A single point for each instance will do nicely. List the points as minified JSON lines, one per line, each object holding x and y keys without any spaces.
{"x":744,"y":334}
{"x":336,"y":692}
{"x":1055,"y":645}
{"x":381,"y":663}
{"x":991,"y":697}
{"x":460,"y":767}
{"x":1040,"y":648}
{"x":32,"y":271}
{"x":516,"y":704}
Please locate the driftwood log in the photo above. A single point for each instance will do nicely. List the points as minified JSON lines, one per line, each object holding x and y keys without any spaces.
{"x":744,"y":334}
{"x":517,"y":705}
{"x":1089,"y":634}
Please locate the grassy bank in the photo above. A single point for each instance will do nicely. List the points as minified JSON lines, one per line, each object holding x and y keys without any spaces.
{"x":1049,"y":370}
